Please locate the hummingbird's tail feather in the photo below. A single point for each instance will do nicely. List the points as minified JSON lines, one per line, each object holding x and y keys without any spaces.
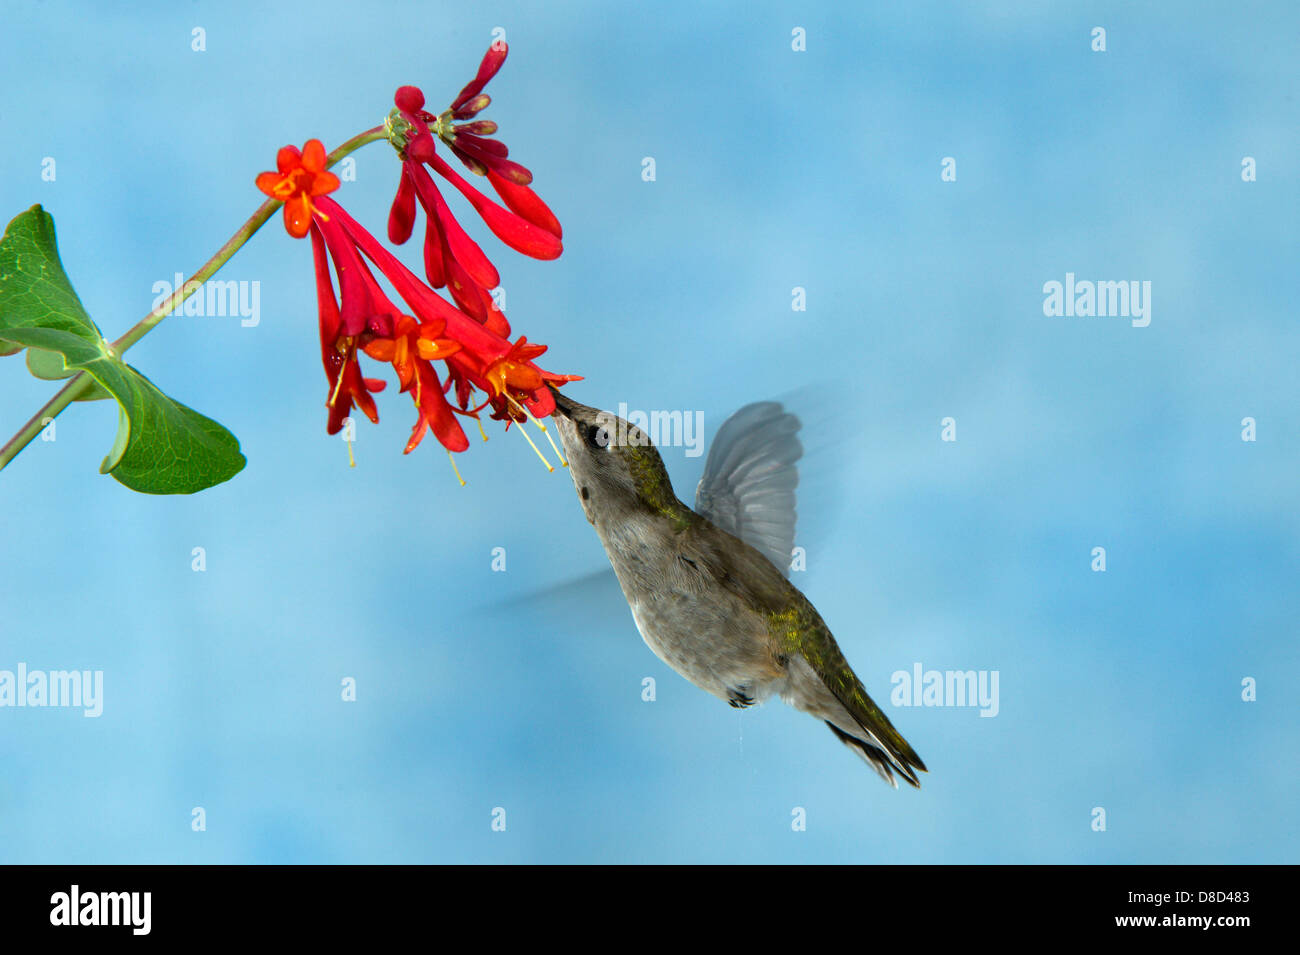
{"x":832,"y":692}
{"x":878,"y":759}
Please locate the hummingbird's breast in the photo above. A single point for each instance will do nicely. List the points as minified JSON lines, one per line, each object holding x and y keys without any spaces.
{"x":692,"y":623}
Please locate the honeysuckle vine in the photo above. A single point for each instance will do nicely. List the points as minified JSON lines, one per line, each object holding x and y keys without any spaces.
{"x":164,"y":447}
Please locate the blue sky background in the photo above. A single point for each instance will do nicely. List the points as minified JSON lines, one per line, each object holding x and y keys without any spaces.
{"x":775,"y":169}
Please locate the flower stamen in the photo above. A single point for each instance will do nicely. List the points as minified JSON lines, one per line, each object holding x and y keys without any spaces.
{"x":549,"y":467}
{"x":342,"y":349}
{"x":452,"y":458}
{"x":338,"y":384}
{"x":535,"y":420}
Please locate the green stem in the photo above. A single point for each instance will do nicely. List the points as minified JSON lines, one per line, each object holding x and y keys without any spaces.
{"x":81,"y":382}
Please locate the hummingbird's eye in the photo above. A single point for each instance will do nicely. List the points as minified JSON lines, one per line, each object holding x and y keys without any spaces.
{"x":597,"y":437}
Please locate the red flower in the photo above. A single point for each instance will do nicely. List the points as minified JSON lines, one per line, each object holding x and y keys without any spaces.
{"x":451,"y":258}
{"x":411,"y":351}
{"x":347,"y":387}
{"x":514,"y":370}
{"x":480,"y":345}
{"x":301,"y":177}
{"x":368,"y":321}
{"x":362,"y":318}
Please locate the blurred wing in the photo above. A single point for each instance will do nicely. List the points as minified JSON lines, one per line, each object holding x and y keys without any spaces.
{"x":584,"y":597}
{"x":749,"y":479}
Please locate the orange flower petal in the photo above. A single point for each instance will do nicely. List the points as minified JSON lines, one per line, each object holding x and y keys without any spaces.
{"x":323,"y":183}
{"x":313,"y":156}
{"x":297,"y":216}
{"x":287,"y":159}
{"x":268,"y":181}
{"x":433,"y":327}
{"x":525,"y":378}
{"x":381,"y":349}
{"x":436,"y":349}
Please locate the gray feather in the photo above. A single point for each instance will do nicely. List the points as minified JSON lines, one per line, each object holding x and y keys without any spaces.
{"x":750,"y":479}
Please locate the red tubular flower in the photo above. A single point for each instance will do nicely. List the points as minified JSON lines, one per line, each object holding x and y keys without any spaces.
{"x":347,"y":387}
{"x":451,"y":258}
{"x":362,"y":318}
{"x":524,"y":202}
{"x":370,"y":322}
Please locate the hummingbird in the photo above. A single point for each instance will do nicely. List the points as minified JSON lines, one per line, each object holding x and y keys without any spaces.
{"x":706,"y":585}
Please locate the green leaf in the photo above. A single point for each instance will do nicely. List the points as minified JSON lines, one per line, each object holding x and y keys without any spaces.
{"x":49,"y":365}
{"x":162,"y":446}
{"x":92,"y":392}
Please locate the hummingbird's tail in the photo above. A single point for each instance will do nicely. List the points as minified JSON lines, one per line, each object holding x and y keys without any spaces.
{"x":880,"y":755}
{"x":828,"y":689}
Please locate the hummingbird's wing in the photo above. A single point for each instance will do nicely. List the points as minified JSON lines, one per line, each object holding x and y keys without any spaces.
{"x":758,"y":435}
{"x":749,"y":479}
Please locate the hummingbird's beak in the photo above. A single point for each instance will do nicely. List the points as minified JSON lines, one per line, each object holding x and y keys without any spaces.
{"x":563,"y":406}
